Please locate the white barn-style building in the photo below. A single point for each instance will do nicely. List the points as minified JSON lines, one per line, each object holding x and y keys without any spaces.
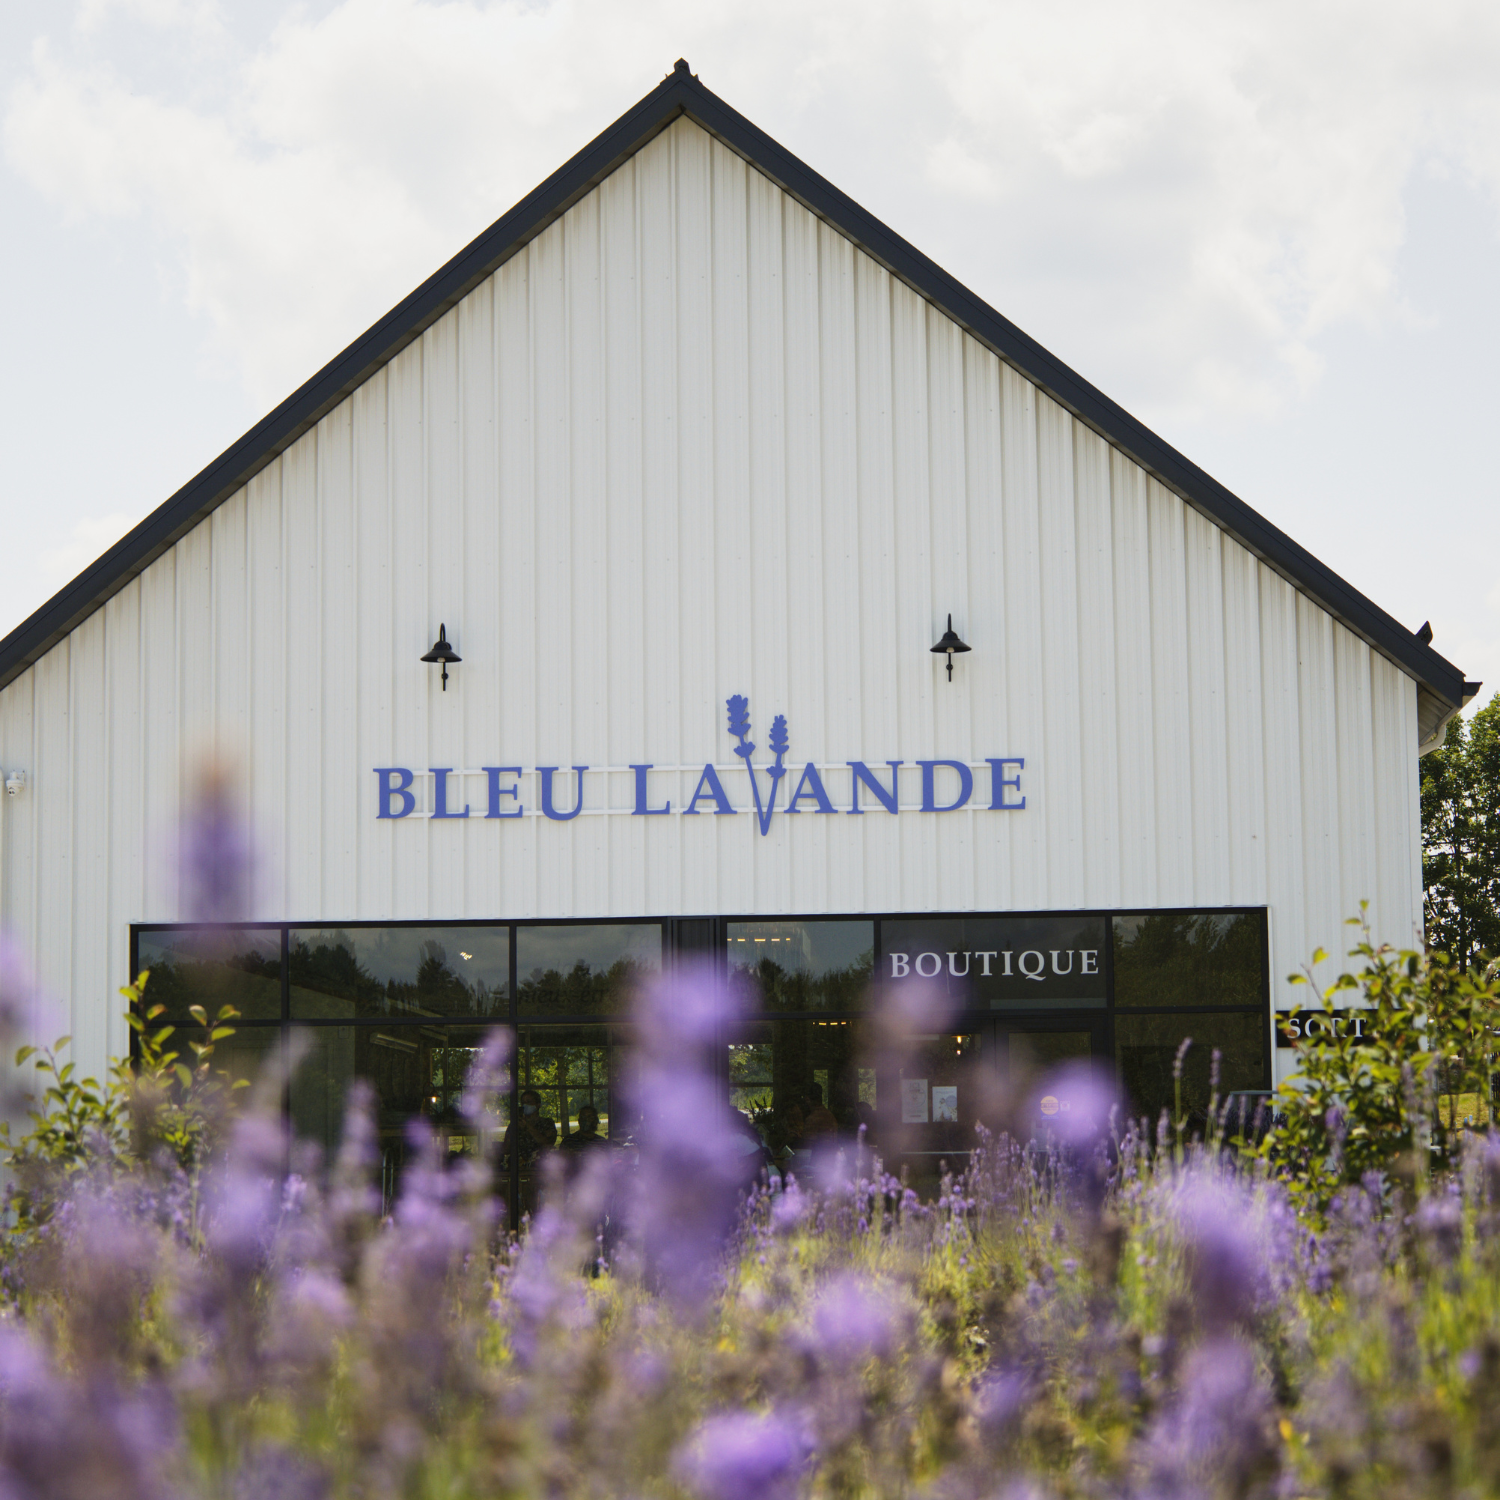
{"x":685,"y":442}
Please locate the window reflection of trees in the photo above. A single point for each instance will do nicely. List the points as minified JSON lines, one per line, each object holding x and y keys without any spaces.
{"x":334,"y":970}
{"x":1187,"y":958}
{"x":582,"y":990}
{"x":250,"y":981}
{"x":774,"y":987}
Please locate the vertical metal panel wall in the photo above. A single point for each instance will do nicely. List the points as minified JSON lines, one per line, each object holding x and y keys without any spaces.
{"x":692,"y":442}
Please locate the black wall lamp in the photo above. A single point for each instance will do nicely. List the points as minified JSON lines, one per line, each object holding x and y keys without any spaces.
{"x":950,"y":643}
{"x":443,"y":652}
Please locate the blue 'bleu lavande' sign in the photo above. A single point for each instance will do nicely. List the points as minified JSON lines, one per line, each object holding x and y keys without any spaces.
{"x":397,"y":799}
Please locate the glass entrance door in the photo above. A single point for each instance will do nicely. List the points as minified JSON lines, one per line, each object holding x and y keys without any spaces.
{"x":1009,"y":1074}
{"x":1033,"y":1059}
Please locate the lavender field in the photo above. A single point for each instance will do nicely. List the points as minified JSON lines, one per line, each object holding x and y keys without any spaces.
{"x":195,"y":1306}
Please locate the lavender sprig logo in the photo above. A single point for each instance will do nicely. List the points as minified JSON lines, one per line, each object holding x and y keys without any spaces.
{"x":739,"y":727}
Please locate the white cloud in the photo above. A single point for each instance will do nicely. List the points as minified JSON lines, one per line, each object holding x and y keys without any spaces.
{"x":201,"y":16}
{"x":1192,"y":191}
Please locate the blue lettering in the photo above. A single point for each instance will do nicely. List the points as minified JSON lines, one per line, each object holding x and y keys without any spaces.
{"x":399,"y":789}
{"x":709,"y":785}
{"x":546,"y":773}
{"x":642,"y":807}
{"x":862,"y":773}
{"x":497,"y":791}
{"x":440,"y":775}
{"x":999,"y":781}
{"x":929,"y":784}
{"x":811,"y":787}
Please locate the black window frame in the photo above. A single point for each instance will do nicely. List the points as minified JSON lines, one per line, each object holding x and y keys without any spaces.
{"x":707,"y":935}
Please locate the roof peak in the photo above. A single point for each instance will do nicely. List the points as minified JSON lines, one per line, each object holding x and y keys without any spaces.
{"x":682,"y":93}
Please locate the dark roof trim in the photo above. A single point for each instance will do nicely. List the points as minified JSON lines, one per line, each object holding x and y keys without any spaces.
{"x":681,"y":93}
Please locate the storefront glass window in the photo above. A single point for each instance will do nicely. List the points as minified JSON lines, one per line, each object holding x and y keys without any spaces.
{"x":413,"y":1071}
{"x":803,"y":966}
{"x":246,"y":1054}
{"x":800,"y":1082}
{"x":406,"y":1008}
{"x":575,"y":971}
{"x":352,"y":973}
{"x":1190,"y":958}
{"x":943,"y":1090}
{"x":212,"y":967}
{"x":1146,"y":1050}
{"x":572,"y":1069}
{"x":999,"y":963}
{"x":574,"y":1097}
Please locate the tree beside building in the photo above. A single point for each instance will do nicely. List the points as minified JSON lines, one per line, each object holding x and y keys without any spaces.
{"x":1461,"y":837}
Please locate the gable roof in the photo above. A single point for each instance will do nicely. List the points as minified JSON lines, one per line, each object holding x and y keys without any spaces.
{"x":1441,"y":685}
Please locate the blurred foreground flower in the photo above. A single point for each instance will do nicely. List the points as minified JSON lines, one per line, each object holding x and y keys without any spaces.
{"x":740,"y":1456}
{"x":1076,"y":1103}
{"x":694,"y":1166}
{"x":216,"y":855}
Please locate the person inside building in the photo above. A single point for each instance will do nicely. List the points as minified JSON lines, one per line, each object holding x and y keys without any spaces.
{"x":527,"y":1138}
{"x":531,"y":1132}
{"x":818,"y":1121}
{"x":587,"y":1134}
{"x":788,"y":1127}
{"x":747,"y":1151}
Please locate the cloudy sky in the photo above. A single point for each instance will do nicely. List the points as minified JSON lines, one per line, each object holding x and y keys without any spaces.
{"x":1269,"y":229}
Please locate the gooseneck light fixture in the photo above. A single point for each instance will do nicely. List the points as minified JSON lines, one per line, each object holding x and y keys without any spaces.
{"x":950,"y":643}
{"x":444,"y":653}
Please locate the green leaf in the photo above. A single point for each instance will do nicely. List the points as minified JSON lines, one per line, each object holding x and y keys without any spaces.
{"x":24,"y":1054}
{"x":184,"y":1075}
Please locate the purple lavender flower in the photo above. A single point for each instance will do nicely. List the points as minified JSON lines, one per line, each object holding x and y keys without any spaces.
{"x":790,"y":1208}
{"x":1075,"y":1103}
{"x":1440,"y":1222}
{"x":18,"y":989}
{"x":1217,"y":1436}
{"x":1000,"y":1402}
{"x":740,"y":1456}
{"x":245,"y":1197}
{"x":488,"y":1075}
{"x":910,"y":1008}
{"x":853,"y":1321}
{"x":78,"y":1437}
{"x":216,"y":859}
{"x":1220,"y":1226}
{"x":692,"y":1173}
{"x":276,"y":1474}
{"x":353,"y":1195}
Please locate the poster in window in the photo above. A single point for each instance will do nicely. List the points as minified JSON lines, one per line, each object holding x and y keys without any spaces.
{"x":945,"y":1101}
{"x":913,"y":1101}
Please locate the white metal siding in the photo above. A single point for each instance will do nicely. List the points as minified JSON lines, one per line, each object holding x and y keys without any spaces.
{"x":692,"y":442}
